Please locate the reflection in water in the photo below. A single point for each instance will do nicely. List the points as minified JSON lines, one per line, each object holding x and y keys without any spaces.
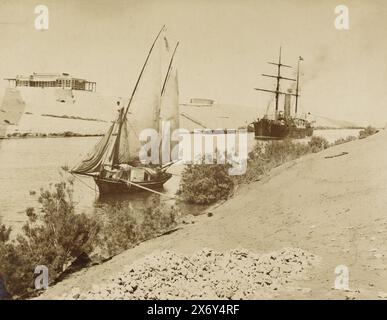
{"x":140,"y":201}
{"x":137,"y":201}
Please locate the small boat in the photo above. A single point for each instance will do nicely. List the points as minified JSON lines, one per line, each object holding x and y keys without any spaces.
{"x":284,"y":124}
{"x":115,"y":162}
{"x":110,"y":186}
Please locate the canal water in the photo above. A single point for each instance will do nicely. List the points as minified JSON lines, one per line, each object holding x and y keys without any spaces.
{"x":27,"y":165}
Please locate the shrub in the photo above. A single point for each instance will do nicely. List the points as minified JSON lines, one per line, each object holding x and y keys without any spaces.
{"x":344,"y":140}
{"x":157,"y":218}
{"x":4,"y":233}
{"x":281,"y":151}
{"x":369,"y":131}
{"x":265,"y":157}
{"x":119,"y":231}
{"x":256,"y":165}
{"x":68,"y":134}
{"x":4,"y":295}
{"x":4,"y":238}
{"x":318,"y":143}
{"x":54,"y":237}
{"x":123,"y":226}
{"x":205,"y":183}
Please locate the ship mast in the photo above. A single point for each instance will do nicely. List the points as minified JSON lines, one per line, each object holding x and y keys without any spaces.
{"x":277,"y":91}
{"x":169,"y":69}
{"x":298,"y":80}
{"x":116,"y":147}
{"x":142,"y":71}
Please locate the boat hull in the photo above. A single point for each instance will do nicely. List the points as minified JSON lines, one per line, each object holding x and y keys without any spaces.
{"x":113,"y":186}
{"x":271,"y":130}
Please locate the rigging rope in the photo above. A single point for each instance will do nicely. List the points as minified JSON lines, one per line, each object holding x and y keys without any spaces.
{"x":147,"y":189}
{"x":79,"y":179}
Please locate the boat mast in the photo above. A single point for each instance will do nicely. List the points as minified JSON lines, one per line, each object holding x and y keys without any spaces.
{"x":142,"y":71}
{"x":122,"y":116}
{"x":278,"y":82}
{"x":165,"y":83}
{"x":277,"y":91}
{"x":298,"y":80}
{"x":162,"y":93}
{"x":116,"y":147}
{"x":169,"y":69}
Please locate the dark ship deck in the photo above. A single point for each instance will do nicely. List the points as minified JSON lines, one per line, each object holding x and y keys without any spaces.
{"x":266,"y":129}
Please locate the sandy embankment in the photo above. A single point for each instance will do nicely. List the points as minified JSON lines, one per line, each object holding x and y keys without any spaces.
{"x":334,"y":208}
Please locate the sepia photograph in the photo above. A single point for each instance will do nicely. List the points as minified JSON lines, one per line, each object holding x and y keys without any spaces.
{"x":191,"y":150}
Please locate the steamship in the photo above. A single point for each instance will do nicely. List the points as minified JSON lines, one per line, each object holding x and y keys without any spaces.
{"x":284,"y":124}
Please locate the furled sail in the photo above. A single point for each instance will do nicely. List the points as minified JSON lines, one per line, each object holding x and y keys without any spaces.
{"x":144,"y":109}
{"x":121,"y":154}
{"x":93,"y":161}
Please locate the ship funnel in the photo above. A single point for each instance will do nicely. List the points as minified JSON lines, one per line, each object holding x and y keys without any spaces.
{"x":287,"y":105}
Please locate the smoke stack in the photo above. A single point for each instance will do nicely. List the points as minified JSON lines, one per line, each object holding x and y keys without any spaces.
{"x":287,"y":105}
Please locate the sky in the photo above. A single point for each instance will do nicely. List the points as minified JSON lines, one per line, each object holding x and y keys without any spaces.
{"x":224,"y":48}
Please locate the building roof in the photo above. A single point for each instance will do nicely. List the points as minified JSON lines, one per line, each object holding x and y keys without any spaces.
{"x":44,"y":77}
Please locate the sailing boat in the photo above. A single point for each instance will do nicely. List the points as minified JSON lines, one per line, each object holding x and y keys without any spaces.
{"x":114,"y":162}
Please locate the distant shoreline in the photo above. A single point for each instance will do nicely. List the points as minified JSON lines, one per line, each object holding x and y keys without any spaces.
{"x":336,"y":128}
{"x":70,"y":134}
{"x":48,"y":135}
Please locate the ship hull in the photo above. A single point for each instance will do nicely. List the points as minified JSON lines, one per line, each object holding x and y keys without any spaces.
{"x":112,"y":186}
{"x":271,"y":130}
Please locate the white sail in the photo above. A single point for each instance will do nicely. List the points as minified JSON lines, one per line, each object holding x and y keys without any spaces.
{"x":170,"y":101}
{"x":154,"y":102}
{"x":144,"y":109}
{"x":169,"y":116}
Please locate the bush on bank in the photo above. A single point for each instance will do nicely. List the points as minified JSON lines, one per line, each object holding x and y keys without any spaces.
{"x":265,"y":157}
{"x":317,"y":144}
{"x":4,"y":238}
{"x":344,"y":140}
{"x":123,"y":226}
{"x":366,"y":132}
{"x":56,"y":236}
{"x":205,"y":184}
